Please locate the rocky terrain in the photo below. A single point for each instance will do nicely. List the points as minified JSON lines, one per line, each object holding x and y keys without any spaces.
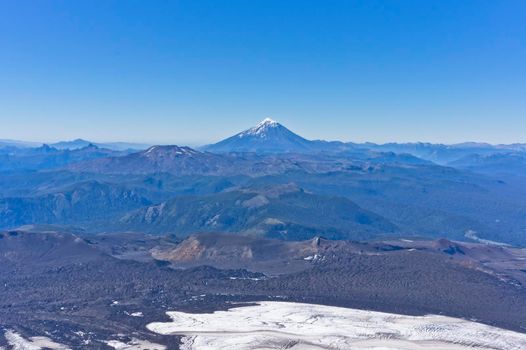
{"x":80,"y":291}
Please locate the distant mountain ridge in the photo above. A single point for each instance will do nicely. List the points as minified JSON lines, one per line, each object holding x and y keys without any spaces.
{"x":4,"y":143}
{"x":269,"y":136}
{"x":74,"y":145}
{"x":114,"y":146}
{"x":513,"y":163}
{"x":180,"y":160}
{"x":48,"y":157}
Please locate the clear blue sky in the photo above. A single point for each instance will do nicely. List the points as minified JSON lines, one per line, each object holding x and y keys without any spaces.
{"x":195,"y":71}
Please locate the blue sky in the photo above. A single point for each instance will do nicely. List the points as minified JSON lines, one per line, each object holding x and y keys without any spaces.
{"x":192,"y":72}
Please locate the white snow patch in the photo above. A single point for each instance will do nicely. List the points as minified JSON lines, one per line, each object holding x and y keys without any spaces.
{"x":18,"y":342}
{"x":150,"y":150}
{"x":135,"y":344}
{"x":247,"y":278}
{"x":314,"y":257}
{"x":47,"y":343}
{"x":213,"y":220}
{"x":284,"y":325}
{"x":471,"y":234}
{"x":273,"y":221}
{"x":134,"y":314}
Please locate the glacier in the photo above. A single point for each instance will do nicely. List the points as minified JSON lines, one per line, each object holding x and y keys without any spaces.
{"x":299,"y":326}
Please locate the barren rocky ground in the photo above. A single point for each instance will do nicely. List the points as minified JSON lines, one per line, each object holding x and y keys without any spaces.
{"x":76,"y":293}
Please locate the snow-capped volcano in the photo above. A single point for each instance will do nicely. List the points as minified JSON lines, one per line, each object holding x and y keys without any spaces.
{"x":268,"y":136}
{"x":261,"y":129}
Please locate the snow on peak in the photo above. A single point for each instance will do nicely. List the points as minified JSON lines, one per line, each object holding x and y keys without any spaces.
{"x":169,"y":151}
{"x":260,"y":128}
{"x":267,"y":121}
{"x":150,"y":150}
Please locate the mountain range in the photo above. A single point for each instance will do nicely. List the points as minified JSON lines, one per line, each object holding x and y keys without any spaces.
{"x":74,"y":144}
{"x":342,"y":190}
{"x":269,"y":136}
{"x":115,"y":146}
{"x":48,"y":157}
